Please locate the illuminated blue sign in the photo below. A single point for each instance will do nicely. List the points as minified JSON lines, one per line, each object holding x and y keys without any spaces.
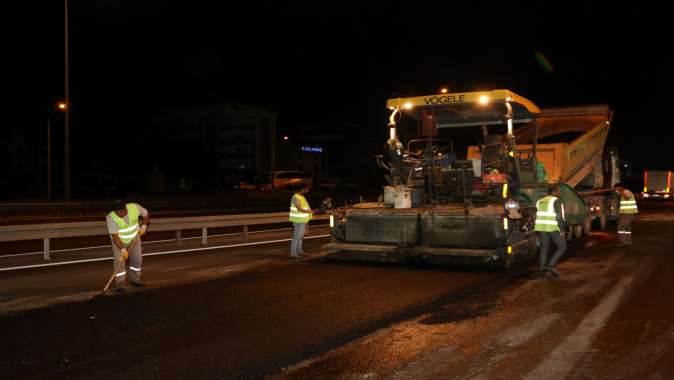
{"x":311,"y":149}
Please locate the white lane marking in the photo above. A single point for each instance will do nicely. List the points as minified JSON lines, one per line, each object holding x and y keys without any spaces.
{"x":561,"y":361}
{"x":159,"y":253}
{"x":152,"y":241}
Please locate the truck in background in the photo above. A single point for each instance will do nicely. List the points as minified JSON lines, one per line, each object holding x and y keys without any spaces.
{"x":657,"y":185}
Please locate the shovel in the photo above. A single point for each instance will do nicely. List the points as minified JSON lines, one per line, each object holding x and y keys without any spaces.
{"x":118,"y":267}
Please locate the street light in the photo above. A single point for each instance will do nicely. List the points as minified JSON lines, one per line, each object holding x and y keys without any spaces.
{"x":66,"y":108}
{"x":61,"y":106}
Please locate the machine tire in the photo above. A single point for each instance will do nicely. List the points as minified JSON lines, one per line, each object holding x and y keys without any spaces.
{"x":587,"y":226}
{"x":603,"y":219}
{"x":578,"y":231}
{"x":506,"y":262}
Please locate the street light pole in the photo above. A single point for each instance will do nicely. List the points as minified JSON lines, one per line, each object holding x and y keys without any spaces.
{"x":66,"y":169}
{"x":63,"y":107}
{"x":48,"y":157}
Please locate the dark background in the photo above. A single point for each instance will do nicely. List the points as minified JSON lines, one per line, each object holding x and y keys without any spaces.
{"x":321,"y":61}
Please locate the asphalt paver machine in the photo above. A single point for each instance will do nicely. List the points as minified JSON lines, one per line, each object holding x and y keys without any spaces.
{"x":437,"y":208}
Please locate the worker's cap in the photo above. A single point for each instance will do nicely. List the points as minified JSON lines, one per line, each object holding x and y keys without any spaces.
{"x":118,"y":205}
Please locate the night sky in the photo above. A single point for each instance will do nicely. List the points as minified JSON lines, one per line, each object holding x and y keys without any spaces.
{"x":334,"y":61}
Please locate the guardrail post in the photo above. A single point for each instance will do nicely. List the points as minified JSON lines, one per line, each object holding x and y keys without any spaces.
{"x":204,"y":235}
{"x":45,"y":254}
{"x":178,"y":237}
{"x":245,"y":231}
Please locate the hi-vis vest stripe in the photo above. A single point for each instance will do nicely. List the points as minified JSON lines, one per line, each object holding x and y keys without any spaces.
{"x":127,"y":232}
{"x":546,"y":218}
{"x":628,"y":206}
{"x":296,"y":215}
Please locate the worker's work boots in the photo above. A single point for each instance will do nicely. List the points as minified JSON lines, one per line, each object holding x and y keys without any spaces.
{"x":137,"y":283}
{"x":120,"y":287}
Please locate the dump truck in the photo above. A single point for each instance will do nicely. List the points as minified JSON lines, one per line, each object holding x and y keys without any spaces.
{"x":569,"y":146}
{"x":657,"y":185}
{"x":480,"y":209}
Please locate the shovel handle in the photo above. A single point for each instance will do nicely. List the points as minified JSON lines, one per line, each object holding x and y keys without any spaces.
{"x":119,"y":266}
{"x":114,"y":273}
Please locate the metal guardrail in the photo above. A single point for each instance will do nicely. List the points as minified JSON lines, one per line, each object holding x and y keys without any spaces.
{"x":48,"y":231}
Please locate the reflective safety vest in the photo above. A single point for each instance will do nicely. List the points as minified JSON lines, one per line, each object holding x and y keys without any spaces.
{"x":127,"y":232}
{"x":297,"y":216}
{"x":628,"y":206}
{"x":546,"y":217}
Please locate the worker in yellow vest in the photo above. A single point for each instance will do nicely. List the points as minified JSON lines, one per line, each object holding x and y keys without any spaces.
{"x":628,"y":209}
{"x":300,"y":215}
{"x":126,"y":223}
{"x":549,"y":224}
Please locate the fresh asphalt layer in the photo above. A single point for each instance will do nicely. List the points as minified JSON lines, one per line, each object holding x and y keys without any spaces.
{"x":252,"y":312}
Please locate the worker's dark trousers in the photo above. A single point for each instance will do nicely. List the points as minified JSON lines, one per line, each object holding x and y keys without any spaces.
{"x":560,"y":243}
{"x":625,"y":228}
{"x":131,"y":267}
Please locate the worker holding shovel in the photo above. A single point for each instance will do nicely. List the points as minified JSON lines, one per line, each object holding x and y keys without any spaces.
{"x":126,"y":224}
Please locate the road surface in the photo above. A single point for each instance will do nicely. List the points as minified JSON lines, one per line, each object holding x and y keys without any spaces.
{"x":251,"y":312}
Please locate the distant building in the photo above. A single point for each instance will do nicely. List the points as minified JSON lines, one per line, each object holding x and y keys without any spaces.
{"x":228,"y":140}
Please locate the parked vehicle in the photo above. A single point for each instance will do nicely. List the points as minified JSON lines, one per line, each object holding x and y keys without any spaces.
{"x":285,"y":180}
{"x":657,"y":185}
